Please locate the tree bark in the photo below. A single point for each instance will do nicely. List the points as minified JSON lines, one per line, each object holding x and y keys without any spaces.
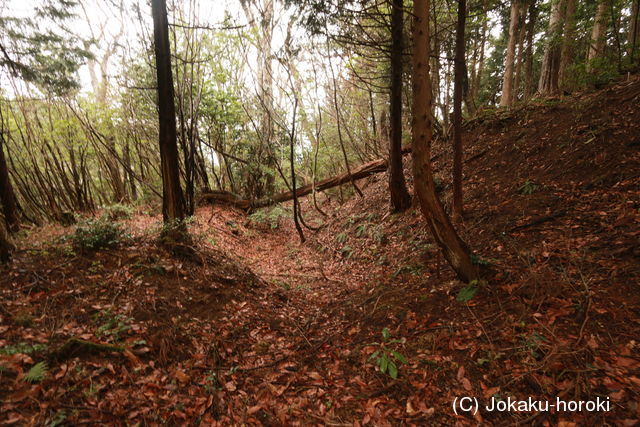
{"x":119,"y":191}
{"x":634,"y":30}
{"x":568,"y":43}
{"x":596,"y":47}
{"x":400,"y":198}
{"x":454,"y":249}
{"x":129,"y":171}
{"x":172,"y":197}
{"x":6,"y":246}
{"x":7,"y":194}
{"x":339,"y":125}
{"x":529,"y":87}
{"x":266,"y":88}
{"x":507,"y":81}
{"x":548,"y":83}
{"x":292,"y":140}
{"x":520,"y":57}
{"x":435,"y":72}
{"x":263,"y":183}
{"x":459,"y":71}
{"x":483,"y":41}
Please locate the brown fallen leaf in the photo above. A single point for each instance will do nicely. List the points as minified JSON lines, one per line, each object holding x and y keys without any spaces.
{"x":253,"y":409}
{"x":131,"y":357}
{"x":181,"y":376}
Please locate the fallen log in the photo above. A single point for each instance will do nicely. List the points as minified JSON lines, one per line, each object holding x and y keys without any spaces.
{"x":225,"y":197}
{"x":362,"y":171}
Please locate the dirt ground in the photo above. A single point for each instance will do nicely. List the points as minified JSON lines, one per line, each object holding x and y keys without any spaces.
{"x":260,"y":329}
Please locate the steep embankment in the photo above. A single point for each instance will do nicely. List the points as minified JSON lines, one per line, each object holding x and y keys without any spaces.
{"x":552,"y":203}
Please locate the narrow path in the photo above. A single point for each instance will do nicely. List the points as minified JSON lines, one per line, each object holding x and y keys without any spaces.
{"x":303,"y":338}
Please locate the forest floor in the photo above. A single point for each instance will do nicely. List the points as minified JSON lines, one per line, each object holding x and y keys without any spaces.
{"x":260,"y":329}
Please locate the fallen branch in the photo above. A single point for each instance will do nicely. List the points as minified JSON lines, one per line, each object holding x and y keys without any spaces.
{"x":225,"y":197}
{"x":362,"y":171}
{"x":539,"y":220}
{"x":477,"y":156}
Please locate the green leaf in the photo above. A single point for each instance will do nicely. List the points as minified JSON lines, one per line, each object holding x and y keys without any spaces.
{"x":385,"y":334}
{"x":393,"y":370}
{"x":384,"y":363}
{"x":467,"y":293}
{"x":36,"y":373}
{"x":58,"y":419}
{"x":374,"y":355}
{"x":400,"y":357}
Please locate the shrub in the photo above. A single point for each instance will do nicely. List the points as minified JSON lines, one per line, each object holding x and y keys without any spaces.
{"x":528,"y":188}
{"x":22,"y":347}
{"x":386,"y":356}
{"x":97,"y":234}
{"x":118,"y":212}
{"x":602,"y":72}
{"x":67,"y":218}
{"x":269,"y":216}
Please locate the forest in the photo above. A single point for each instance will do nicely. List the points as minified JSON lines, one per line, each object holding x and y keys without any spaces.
{"x":309,"y":212}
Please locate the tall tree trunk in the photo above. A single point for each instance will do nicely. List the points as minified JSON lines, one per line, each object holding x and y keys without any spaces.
{"x":507,"y":81}
{"x":469,"y":101}
{"x":568,"y":43}
{"x":336,"y":106}
{"x":267,"y":88}
{"x":292,"y":141}
{"x":119,"y":191}
{"x":483,"y":41}
{"x":7,"y":195}
{"x":529,"y":87}
{"x":265,"y":81}
{"x":454,"y":249}
{"x":446,"y":105}
{"x":172,"y":197}
{"x":435,"y":74}
{"x":400,"y":198}
{"x":6,"y":245}
{"x":459,"y":71}
{"x":202,"y":168}
{"x":520,"y":56}
{"x":263,"y":182}
{"x":75,"y":175}
{"x":129,"y":170}
{"x":548,"y":83}
{"x":634,"y":30}
{"x":374,"y":125}
{"x":100,"y":88}
{"x":596,"y":47}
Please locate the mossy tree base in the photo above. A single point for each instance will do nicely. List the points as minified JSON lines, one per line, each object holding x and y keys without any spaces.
{"x":177,"y":240}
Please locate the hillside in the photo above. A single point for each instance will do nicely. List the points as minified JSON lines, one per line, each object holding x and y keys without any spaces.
{"x":259,"y":329}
